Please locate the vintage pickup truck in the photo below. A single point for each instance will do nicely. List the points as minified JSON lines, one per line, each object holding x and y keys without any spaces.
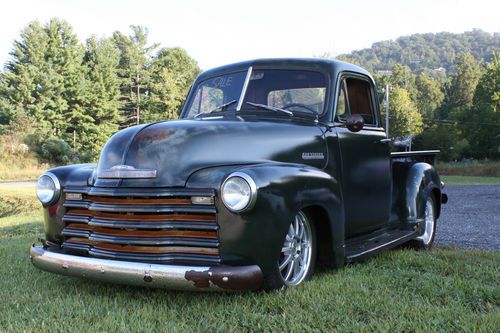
{"x":275,"y":166}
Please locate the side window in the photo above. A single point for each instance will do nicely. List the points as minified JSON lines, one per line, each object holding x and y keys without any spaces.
{"x":355,"y":98}
{"x":342,"y":109}
{"x":360,"y":99}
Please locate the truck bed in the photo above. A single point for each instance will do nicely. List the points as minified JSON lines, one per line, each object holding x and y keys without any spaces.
{"x":427,"y":156}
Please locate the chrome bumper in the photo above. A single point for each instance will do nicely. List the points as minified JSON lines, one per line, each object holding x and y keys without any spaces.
{"x":222,"y":278}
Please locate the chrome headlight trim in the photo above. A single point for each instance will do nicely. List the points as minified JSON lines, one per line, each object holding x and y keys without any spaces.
{"x":253,"y":191}
{"x":57,"y":189}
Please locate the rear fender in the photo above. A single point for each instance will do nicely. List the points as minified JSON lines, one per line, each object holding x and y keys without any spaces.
{"x":414,"y":183}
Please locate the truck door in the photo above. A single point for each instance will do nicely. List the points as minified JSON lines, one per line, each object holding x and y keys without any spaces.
{"x":365,"y":159}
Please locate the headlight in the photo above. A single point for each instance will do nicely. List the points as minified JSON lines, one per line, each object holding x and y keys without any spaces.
{"x":48,"y":189}
{"x":239,"y":192}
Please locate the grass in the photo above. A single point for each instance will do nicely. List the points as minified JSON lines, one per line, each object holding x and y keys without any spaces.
{"x":441,"y":290}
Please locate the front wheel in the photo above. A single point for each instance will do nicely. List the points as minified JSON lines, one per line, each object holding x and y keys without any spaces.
{"x":426,"y":239}
{"x":298,"y":255}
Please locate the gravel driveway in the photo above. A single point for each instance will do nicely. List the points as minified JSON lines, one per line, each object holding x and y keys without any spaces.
{"x":471,"y":218}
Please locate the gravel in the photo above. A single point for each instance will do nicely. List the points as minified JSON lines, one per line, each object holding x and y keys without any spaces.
{"x":471,"y":218}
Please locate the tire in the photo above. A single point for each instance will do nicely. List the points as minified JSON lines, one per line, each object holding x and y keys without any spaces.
{"x":426,"y":239}
{"x":298,"y":255}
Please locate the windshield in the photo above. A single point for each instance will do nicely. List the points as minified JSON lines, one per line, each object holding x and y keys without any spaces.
{"x":291,"y":90}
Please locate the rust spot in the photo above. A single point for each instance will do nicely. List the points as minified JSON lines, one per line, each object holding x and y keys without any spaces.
{"x":236,"y":278}
{"x":153,"y":134}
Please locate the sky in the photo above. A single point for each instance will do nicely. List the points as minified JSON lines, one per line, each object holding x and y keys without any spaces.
{"x":220,"y":32}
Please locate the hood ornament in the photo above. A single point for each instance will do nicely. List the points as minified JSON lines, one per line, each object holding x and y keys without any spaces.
{"x":126,"y":171}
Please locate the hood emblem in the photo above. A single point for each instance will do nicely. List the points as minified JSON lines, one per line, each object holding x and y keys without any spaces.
{"x":313,"y":156}
{"x":126,"y":171}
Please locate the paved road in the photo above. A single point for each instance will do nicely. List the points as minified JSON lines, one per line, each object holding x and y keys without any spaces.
{"x":471,"y":218}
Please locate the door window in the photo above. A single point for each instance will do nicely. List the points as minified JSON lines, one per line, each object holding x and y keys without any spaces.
{"x":355,"y":98}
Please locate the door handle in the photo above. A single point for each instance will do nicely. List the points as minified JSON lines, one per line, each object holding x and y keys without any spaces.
{"x":384,"y":140}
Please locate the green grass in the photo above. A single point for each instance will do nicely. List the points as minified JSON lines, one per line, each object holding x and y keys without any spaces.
{"x":469,"y":180}
{"x":444,"y":290}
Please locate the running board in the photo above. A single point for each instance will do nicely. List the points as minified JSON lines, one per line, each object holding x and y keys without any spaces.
{"x":361,"y":249}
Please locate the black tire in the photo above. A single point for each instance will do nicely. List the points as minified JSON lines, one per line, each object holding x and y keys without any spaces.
{"x":275,"y":280}
{"x":425,"y":241}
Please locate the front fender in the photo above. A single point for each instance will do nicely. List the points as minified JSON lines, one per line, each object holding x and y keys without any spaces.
{"x":256,"y":236}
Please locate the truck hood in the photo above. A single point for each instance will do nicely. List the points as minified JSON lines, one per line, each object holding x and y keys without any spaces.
{"x":169,"y":152}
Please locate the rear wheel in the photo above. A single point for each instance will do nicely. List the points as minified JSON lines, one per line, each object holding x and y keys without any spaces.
{"x":426,"y":239}
{"x":298,"y":255}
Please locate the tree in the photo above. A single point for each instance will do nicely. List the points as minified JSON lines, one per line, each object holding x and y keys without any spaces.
{"x":101,"y":105}
{"x":133,"y":72}
{"x":463,"y":84}
{"x":428,"y":96}
{"x":404,"y":117}
{"x":172,"y":72}
{"x":483,"y":125}
{"x":45,"y":77}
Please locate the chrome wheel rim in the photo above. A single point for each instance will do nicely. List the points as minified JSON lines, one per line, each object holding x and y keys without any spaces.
{"x":426,"y":237}
{"x":295,"y":258}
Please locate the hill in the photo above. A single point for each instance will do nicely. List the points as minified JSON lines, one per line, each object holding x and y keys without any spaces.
{"x":429,"y":51}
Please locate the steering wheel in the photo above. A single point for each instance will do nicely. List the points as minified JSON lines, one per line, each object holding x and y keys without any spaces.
{"x":308,"y":108}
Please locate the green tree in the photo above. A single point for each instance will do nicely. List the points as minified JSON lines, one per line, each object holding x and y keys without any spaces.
{"x":101,"y":104}
{"x":483,"y":125}
{"x":463,"y":84}
{"x":428,"y":96}
{"x":45,"y":77}
{"x":172,"y":72}
{"x":404,"y":117}
{"x":135,"y":54}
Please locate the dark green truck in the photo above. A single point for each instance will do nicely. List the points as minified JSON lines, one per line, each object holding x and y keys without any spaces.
{"x":274,"y":166}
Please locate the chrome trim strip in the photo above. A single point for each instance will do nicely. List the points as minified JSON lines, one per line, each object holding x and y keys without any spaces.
{"x":150,"y":275}
{"x":126,"y":172}
{"x":244,"y":90}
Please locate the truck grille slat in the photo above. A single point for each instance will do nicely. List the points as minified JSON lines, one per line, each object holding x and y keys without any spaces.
{"x":145,"y":228}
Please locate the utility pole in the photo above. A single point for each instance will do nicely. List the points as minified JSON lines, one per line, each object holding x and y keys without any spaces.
{"x":387,"y":110}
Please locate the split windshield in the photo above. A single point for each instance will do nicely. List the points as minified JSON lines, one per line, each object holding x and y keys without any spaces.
{"x":295,"y":91}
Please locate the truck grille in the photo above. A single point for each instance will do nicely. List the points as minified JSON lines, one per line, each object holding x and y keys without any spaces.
{"x":147,"y":225}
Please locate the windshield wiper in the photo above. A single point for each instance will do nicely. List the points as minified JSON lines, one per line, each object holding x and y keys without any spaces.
{"x":217,"y":109}
{"x":271,"y":108}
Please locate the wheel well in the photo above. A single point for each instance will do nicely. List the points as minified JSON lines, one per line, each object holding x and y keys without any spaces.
{"x":319,"y":216}
{"x":437,"y":199}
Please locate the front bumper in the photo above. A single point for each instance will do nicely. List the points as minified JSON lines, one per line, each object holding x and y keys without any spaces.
{"x":222,"y":278}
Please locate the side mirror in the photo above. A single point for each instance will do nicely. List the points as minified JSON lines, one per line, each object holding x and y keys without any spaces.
{"x":355,"y":123}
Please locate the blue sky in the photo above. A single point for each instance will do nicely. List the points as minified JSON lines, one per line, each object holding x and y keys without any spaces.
{"x":219,"y":32}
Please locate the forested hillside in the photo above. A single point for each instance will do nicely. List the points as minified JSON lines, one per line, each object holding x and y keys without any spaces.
{"x":426,"y":52}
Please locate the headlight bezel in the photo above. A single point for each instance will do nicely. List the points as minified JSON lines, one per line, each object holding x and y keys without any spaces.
{"x":253,"y":191}
{"x":57,"y":189}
